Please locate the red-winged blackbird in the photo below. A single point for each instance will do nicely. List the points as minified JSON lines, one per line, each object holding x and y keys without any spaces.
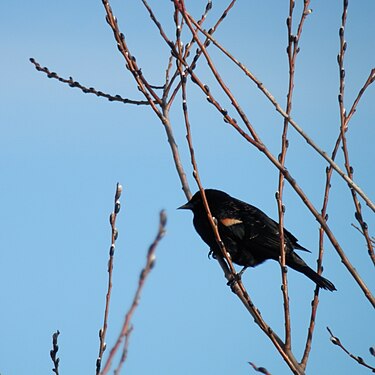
{"x":249,"y":235}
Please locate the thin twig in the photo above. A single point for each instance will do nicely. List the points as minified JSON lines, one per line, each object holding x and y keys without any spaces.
{"x":336,"y":341}
{"x":279,"y":109}
{"x":87,"y":90}
{"x":114,"y":234}
{"x":344,"y":121}
{"x":150,"y":261}
{"x":372,"y":239}
{"x":131,"y":62}
{"x":223,"y":258}
{"x":292,"y":51}
{"x":152,"y":98}
{"x":255,"y":140}
{"x":195,"y":166}
{"x":198,"y":52}
{"x":124,"y":354}
{"x":370,"y":79}
{"x":53,"y":352}
{"x":165,"y":108}
{"x":156,"y":22}
{"x":329,"y":170}
{"x":324,"y":214}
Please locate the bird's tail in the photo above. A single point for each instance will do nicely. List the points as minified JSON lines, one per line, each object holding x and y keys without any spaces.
{"x":299,"y":265}
{"x":319,"y":280}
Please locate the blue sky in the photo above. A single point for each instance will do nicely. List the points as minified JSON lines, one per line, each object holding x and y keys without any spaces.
{"x":63,"y":153}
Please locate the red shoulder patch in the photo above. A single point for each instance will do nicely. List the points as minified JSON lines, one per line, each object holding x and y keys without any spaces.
{"x":229,"y":222}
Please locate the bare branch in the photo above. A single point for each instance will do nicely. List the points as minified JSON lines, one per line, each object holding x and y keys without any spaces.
{"x":329,"y":170}
{"x":150,"y":261}
{"x":292,"y":51}
{"x":160,"y":102}
{"x":131,"y":62}
{"x":257,"y":143}
{"x":372,"y":239}
{"x":344,"y":121}
{"x":199,"y":51}
{"x":72,"y":83}
{"x":231,"y":268}
{"x":336,"y":341}
{"x":152,"y":98}
{"x":223,"y":258}
{"x":157,"y":23}
{"x":124,"y":354}
{"x":114,"y":234}
{"x":279,"y":109}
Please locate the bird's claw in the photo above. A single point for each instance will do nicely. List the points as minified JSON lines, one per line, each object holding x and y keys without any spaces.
{"x":211,"y":254}
{"x":236,"y":277}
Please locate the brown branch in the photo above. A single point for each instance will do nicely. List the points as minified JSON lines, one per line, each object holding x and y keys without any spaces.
{"x":257,"y":143}
{"x":198,"y":53}
{"x":344,"y":121}
{"x":369,"y":81}
{"x":329,"y":170}
{"x":53,"y":353}
{"x":336,"y":341}
{"x":157,"y":23}
{"x":131,"y":62}
{"x":166,"y":104}
{"x":224,"y":259}
{"x":314,"y":309}
{"x":315,"y":301}
{"x":230,"y":267}
{"x":279,"y":109}
{"x":87,"y":90}
{"x":152,"y":98}
{"x":150,"y":261}
{"x":372,"y":239}
{"x":114,"y":234}
{"x":124,"y":354}
{"x":215,"y":72}
{"x":292,"y":51}
{"x":324,"y":214}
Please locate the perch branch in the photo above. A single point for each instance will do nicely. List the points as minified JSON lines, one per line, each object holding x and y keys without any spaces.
{"x":257,"y":142}
{"x":225,"y":261}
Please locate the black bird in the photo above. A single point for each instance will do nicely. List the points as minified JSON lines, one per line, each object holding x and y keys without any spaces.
{"x":249,"y":235}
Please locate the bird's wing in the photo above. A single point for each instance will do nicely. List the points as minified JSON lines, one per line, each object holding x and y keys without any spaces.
{"x":248,"y":223}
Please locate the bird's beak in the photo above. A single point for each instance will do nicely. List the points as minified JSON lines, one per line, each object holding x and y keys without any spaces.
{"x":186,"y":206}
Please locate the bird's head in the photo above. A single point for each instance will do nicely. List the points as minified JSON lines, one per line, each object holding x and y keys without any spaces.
{"x":196,"y":202}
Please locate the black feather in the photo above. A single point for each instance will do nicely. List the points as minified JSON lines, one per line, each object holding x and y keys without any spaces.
{"x":249,"y":235}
